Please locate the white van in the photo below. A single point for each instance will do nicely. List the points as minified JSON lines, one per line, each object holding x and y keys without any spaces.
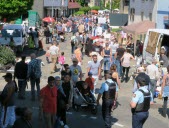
{"x":15,"y":32}
{"x":155,"y":39}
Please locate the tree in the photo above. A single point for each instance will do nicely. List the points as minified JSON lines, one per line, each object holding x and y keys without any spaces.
{"x":115,"y":4}
{"x":12,"y":9}
{"x":85,"y":9}
{"x":81,"y":2}
{"x":95,"y":8}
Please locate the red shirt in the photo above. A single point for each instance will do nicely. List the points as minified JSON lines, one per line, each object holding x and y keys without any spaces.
{"x":90,"y":82}
{"x":49,"y":96}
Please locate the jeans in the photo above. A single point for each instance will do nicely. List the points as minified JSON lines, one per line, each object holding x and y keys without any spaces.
{"x":113,"y":59}
{"x":125,"y":72}
{"x":33,"y":82}
{"x":22,"y":86}
{"x":119,"y":67}
{"x":138,"y":119}
{"x":61,"y":112}
{"x":106,"y":112}
{"x":73,"y":48}
{"x":153,"y":83}
{"x":10,"y":116}
{"x":106,"y":63}
{"x":95,"y":83}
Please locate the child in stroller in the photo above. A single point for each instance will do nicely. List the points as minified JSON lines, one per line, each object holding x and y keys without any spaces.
{"x":87,"y":94}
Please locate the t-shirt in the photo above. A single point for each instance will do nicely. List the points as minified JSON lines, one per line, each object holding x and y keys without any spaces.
{"x":114,"y":47}
{"x":120,"y":52}
{"x":49,"y":96}
{"x":75,"y":71}
{"x":54,"y":50}
{"x":126,"y":60}
{"x":94,"y":67}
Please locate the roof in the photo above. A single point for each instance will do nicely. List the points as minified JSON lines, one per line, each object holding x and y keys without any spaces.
{"x":72,"y":5}
{"x":12,"y":26}
{"x":162,"y":31}
{"x":141,"y":27}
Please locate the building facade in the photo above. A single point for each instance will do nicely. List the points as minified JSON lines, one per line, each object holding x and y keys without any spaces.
{"x":162,"y":20}
{"x":94,"y":3}
{"x":140,"y":10}
{"x":124,"y":6}
{"x":45,"y":7}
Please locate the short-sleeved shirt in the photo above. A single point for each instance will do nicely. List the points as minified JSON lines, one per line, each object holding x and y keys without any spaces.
{"x":98,"y":49}
{"x":49,"y":96}
{"x":94,"y":67}
{"x":54,"y":50}
{"x":126,"y":60}
{"x":105,"y":87}
{"x":138,"y":96}
{"x":120,"y":52}
{"x":75,"y":71}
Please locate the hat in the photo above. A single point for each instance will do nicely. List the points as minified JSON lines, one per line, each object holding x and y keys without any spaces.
{"x":8,"y":75}
{"x":89,"y":74}
{"x":74,"y":60}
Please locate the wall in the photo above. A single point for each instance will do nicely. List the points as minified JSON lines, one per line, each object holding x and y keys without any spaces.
{"x":38,"y":6}
{"x":148,"y":6}
{"x":162,"y":13}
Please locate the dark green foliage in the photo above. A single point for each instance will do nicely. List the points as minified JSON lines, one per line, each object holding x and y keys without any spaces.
{"x":6,"y":55}
{"x":12,"y":9}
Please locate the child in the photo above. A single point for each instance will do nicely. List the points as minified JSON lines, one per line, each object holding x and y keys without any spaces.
{"x":85,"y":91}
{"x":47,"y":55}
{"x":90,"y":81}
{"x":61,"y":60}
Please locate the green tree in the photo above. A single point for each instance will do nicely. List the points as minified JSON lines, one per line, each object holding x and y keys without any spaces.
{"x":81,"y":2}
{"x":85,"y":9}
{"x":12,"y":9}
{"x":95,"y":8}
{"x":115,"y":4}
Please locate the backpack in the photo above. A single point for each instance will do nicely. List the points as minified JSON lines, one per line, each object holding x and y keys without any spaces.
{"x":35,"y":70}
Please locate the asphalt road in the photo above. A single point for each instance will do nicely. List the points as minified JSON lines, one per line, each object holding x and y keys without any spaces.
{"x":121,"y":117}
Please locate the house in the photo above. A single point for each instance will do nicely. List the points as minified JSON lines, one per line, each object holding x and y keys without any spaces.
{"x":153,"y":10}
{"x":54,"y":8}
{"x":124,"y":6}
{"x":73,"y":6}
{"x":140,"y":10}
{"x":162,"y":20}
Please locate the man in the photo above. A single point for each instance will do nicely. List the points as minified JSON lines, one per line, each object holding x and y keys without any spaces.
{"x":21,"y":69}
{"x":36,"y":38}
{"x":7,"y":117}
{"x":118,"y":55}
{"x":48,"y":102}
{"x":95,"y":68}
{"x":109,"y":90}
{"x":54,"y":51}
{"x":140,"y":103}
{"x":76,"y":71}
{"x":81,"y":28}
{"x":153,"y":73}
{"x":34,"y":74}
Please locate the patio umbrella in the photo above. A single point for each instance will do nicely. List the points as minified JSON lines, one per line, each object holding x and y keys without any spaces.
{"x":94,"y":11}
{"x":48,"y":19}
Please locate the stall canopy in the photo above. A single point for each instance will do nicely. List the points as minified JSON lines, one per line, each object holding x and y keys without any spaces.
{"x":137,"y":29}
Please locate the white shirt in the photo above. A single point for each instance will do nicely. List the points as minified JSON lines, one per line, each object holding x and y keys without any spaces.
{"x":94,"y":67}
{"x":54,"y":50}
{"x":152,"y":71}
{"x":114,"y":47}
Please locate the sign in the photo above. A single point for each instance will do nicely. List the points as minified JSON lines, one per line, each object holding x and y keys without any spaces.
{"x":101,"y":20}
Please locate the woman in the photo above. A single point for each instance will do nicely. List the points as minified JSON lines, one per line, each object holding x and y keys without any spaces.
{"x":165,"y":91}
{"x":78,"y":55}
{"x":115,"y":77}
{"x":126,"y":64}
{"x":107,"y":54}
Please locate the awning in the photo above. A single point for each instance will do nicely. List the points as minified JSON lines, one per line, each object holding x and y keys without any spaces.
{"x":73,"y":5}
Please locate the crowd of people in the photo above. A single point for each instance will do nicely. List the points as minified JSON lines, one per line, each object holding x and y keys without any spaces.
{"x":107,"y":57}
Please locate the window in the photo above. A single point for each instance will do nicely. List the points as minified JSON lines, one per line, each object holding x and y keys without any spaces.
{"x":132,"y":14}
{"x":142,"y":16}
{"x":150,"y":16}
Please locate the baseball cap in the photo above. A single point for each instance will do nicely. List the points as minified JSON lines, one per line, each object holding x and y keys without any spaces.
{"x":89,"y":74}
{"x":8,"y":75}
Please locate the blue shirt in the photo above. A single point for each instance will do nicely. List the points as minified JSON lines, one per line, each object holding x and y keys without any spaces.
{"x":105,"y":87}
{"x":138,"y":96}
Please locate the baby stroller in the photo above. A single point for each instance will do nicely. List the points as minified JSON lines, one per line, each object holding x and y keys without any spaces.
{"x":81,"y":102}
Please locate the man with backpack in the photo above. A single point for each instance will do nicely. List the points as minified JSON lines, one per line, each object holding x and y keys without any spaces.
{"x":34,"y":74}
